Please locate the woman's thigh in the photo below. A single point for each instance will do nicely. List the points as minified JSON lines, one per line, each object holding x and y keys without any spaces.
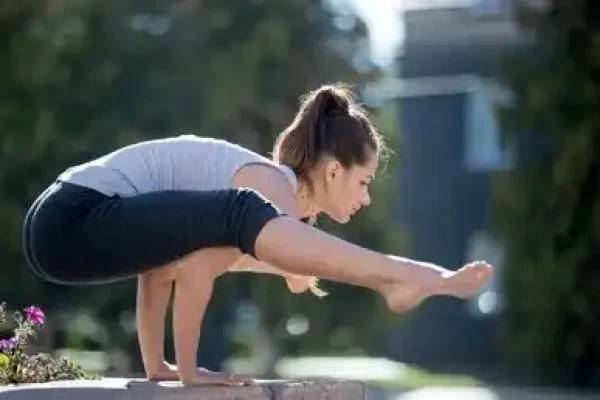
{"x":123,"y":237}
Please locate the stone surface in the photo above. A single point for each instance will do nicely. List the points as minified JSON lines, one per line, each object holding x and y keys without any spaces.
{"x":482,"y":393}
{"x":125,"y":389}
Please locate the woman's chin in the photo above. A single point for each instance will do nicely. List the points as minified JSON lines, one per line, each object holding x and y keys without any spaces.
{"x":343,"y":219}
{"x":340,"y":218}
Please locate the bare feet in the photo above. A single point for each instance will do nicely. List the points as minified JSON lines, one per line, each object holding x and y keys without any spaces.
{"x":467,"y":281}
{"x":464,"y":283}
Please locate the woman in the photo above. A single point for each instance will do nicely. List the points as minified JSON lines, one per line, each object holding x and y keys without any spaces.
{"x":184,"y":210}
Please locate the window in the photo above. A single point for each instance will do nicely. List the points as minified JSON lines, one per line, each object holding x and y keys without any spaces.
{"x":483,"y":150}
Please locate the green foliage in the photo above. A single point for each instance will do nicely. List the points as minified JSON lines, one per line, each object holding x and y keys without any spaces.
{"x":17,"y":366}
{"x":549,"y":206}
{"x":82,"y":78}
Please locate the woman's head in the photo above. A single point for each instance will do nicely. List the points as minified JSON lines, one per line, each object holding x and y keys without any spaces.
{"x":334,"y":150}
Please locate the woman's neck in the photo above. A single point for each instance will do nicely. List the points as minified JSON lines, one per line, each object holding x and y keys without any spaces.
{"x":306,"y":204}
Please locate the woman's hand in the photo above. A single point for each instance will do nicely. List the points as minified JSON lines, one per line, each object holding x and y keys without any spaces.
{"x":300,"y":284}
{"x":163,"y":372}
{"x":204,"y":377}
{"x":296,"y":283}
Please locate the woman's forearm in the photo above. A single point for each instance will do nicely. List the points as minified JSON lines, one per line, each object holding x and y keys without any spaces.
{"x":249,"y":264}
{"x":152,"y":301}
{"x":296,"y":283}
{"x":191,"y":299}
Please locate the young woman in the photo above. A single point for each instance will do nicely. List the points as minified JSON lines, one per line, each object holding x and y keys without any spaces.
{"x":186,"y":209}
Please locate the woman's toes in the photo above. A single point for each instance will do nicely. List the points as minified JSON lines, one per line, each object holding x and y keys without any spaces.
{"x":483,"y":271}
{"x":470,"y":279}
{"x":480,"y":270}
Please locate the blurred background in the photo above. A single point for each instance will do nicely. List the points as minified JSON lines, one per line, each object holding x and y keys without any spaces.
{"x":491,"y":108}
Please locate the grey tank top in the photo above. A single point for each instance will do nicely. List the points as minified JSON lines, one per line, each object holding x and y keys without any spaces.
{"x":184,"y":162}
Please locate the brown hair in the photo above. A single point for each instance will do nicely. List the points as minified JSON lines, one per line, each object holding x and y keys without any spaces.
{"x":330,"y":122}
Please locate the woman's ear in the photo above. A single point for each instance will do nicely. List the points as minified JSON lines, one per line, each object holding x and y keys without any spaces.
{"x":332,"y":168}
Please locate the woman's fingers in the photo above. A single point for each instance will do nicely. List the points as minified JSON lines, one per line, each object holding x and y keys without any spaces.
{"x":204,"y":377}
{"x":227,"y":378}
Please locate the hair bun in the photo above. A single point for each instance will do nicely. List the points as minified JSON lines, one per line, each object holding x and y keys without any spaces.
{"x":334,"y":100}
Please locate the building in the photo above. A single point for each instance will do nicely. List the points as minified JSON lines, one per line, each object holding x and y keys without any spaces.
{"x":450,"y":145}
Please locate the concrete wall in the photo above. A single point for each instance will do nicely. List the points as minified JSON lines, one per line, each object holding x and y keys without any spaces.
{"x":124,"y":389}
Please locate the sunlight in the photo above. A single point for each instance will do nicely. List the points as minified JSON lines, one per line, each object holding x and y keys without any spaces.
{"x":385,"y":22}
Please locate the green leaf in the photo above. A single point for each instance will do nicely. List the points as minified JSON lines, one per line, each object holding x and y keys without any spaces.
{"x":4,"y":361}
{"x":547,"y":208}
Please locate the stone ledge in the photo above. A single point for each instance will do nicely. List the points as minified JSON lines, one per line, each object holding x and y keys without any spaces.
{"x":132,"y":389}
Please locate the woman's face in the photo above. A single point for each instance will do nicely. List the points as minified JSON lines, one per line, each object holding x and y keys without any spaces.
{"x":343,"y":192}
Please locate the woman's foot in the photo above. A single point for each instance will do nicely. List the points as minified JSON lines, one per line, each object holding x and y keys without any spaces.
{"x":464,"y":283}
{"x":467,"y":281}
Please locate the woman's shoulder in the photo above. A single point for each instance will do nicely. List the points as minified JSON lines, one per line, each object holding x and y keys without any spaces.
{"x":271,"y":180}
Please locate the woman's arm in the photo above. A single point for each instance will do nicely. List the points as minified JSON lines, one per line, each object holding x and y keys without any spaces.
{"x":193,"y":290}
{"x":271,"y":183}
{"x":295,"y":283}
{"x":249,"y":264}
{"x":154,"y":292}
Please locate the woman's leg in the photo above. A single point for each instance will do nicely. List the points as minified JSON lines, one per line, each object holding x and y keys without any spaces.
{"x":97,"y":239}
{"x":79,"y":236}
{"x":304,"y":250}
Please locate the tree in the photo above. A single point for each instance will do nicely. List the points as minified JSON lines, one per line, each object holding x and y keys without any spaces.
{"x":549,"y":204}
{"x":82,"y":78}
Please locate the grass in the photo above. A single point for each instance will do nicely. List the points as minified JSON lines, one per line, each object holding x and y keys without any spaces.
{"x":418,"y":378}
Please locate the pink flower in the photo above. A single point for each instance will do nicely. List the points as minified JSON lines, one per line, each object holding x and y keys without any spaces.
{"x":35,"y":315}
{"x":8,"y":344}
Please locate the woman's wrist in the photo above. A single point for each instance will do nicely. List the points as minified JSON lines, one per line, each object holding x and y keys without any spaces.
{"x":161,"y":370}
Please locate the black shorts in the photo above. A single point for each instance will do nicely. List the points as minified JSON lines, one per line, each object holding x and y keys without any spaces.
{"x":76,"y":235}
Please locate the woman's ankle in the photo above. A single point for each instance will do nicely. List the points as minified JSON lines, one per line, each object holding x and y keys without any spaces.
{"x":403,"y":297}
